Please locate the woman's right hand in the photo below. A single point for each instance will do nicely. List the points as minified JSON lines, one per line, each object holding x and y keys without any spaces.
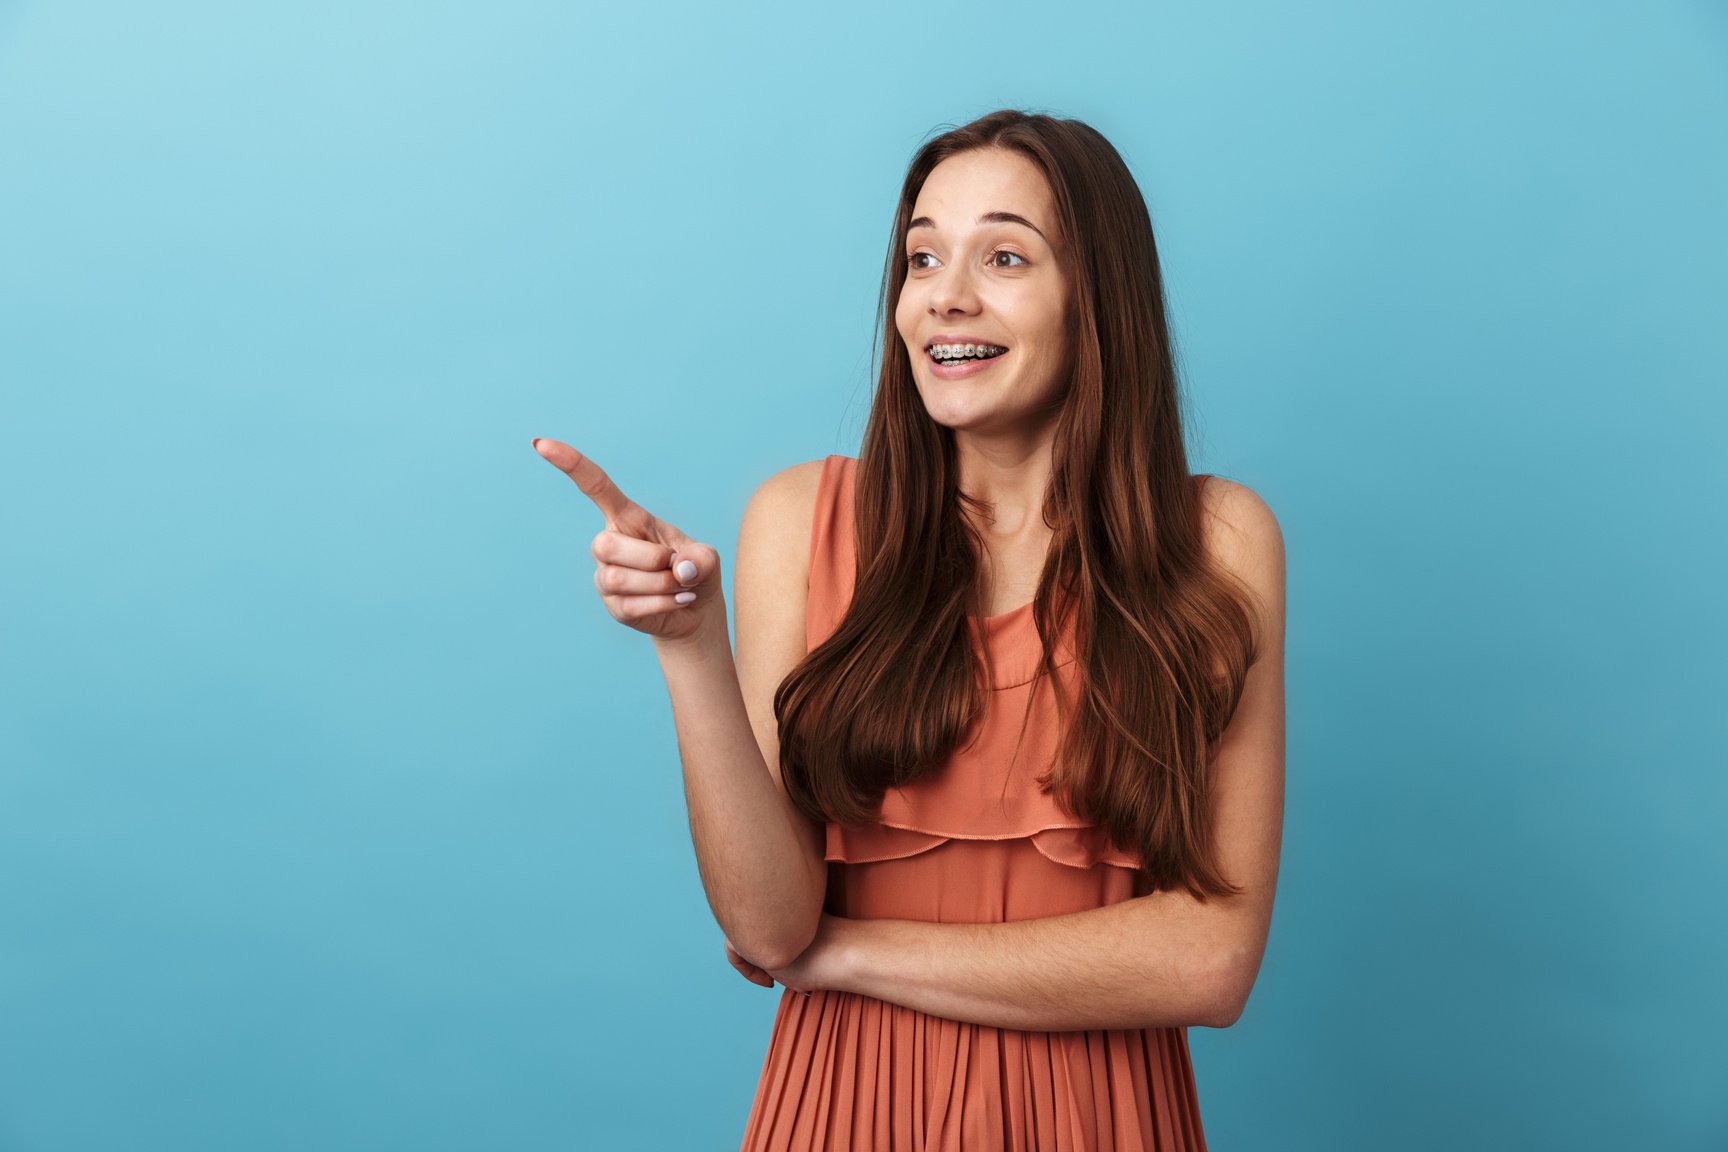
{"x":651,"y":576}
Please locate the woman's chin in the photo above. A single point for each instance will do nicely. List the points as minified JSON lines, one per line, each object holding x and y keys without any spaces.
{"x":957,"y":419}
{"x":989,"y":422}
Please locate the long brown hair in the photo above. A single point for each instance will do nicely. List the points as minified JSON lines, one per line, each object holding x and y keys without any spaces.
{"x":1163,"y":639}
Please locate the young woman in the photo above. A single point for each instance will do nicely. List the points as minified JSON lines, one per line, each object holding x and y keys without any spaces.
{"x":994,"y":784}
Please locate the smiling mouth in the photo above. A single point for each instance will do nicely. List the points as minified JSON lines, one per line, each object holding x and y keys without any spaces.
{"x":951,"y":354}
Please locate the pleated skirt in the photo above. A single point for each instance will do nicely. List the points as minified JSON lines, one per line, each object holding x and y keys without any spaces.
{"x":850,"y":1072}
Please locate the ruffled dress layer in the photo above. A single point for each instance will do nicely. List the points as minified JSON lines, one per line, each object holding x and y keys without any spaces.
{"x":974,"y":842}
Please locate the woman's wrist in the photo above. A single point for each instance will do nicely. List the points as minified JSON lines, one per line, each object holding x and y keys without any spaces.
{"x":855,"y":955}
{"x":711,"y":638}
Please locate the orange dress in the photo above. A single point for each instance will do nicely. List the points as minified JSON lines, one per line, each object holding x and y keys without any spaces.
{"x":975,"y":842}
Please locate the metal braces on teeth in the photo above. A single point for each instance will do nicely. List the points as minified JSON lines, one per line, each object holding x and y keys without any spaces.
{"x":963,"y":351}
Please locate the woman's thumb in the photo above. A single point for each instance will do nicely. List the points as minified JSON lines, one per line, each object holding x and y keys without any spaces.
{"x":692,"y":563}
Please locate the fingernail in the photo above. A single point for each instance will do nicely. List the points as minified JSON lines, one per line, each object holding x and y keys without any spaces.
{"x":686,"y":570}
{"x":685,"y":597}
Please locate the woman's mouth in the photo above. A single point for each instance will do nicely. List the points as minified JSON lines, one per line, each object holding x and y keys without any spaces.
{"x":955,"y":361}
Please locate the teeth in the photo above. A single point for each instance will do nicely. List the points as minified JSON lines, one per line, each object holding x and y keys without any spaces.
{"x":961,"y":351}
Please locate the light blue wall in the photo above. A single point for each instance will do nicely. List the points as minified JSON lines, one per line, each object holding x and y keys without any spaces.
{"x":336,"y":813}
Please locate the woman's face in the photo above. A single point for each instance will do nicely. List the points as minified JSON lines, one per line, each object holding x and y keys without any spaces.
{"x":983,"y":267}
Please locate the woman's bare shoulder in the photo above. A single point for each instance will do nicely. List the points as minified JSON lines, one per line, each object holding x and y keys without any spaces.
{"x":793,"y":481}
{"x":780,"y":511}
{"x":774,"y":540}
{"x":1236,"y":515}
{"x":1242,"y":534}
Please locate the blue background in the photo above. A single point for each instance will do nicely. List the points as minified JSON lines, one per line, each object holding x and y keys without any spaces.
{"x":337,"y":813}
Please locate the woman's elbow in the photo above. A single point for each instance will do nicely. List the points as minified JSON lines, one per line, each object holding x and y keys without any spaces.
{"x":1224,"y":995}
{"x":1222,"y":1013}
{"x":780,"y":947}
{"x":774,"y":936}
{"x":775,"y":956}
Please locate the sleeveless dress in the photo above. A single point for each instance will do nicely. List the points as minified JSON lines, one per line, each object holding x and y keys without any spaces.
{"x":974,"y":842}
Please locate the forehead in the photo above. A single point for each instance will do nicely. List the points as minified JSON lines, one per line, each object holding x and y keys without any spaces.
{"x":964,"y":187}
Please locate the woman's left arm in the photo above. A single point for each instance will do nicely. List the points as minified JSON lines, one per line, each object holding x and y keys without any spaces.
{"x":1159,"y":960}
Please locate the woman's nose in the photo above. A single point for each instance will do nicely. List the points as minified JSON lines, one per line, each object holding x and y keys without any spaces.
{"x":954,"y":289}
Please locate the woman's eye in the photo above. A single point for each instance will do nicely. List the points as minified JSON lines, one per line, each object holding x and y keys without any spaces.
{"x":912,"y":260}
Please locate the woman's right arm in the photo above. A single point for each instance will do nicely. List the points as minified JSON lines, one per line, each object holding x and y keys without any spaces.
{"x":760,"y":859}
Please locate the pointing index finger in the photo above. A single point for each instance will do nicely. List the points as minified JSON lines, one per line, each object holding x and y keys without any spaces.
{"x":589,"y":477}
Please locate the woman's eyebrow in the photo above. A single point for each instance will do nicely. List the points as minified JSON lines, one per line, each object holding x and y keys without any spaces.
{"x":987,"y":218}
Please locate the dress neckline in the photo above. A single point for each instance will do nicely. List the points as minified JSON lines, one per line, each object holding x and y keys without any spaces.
{"x":1015,"y":649}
